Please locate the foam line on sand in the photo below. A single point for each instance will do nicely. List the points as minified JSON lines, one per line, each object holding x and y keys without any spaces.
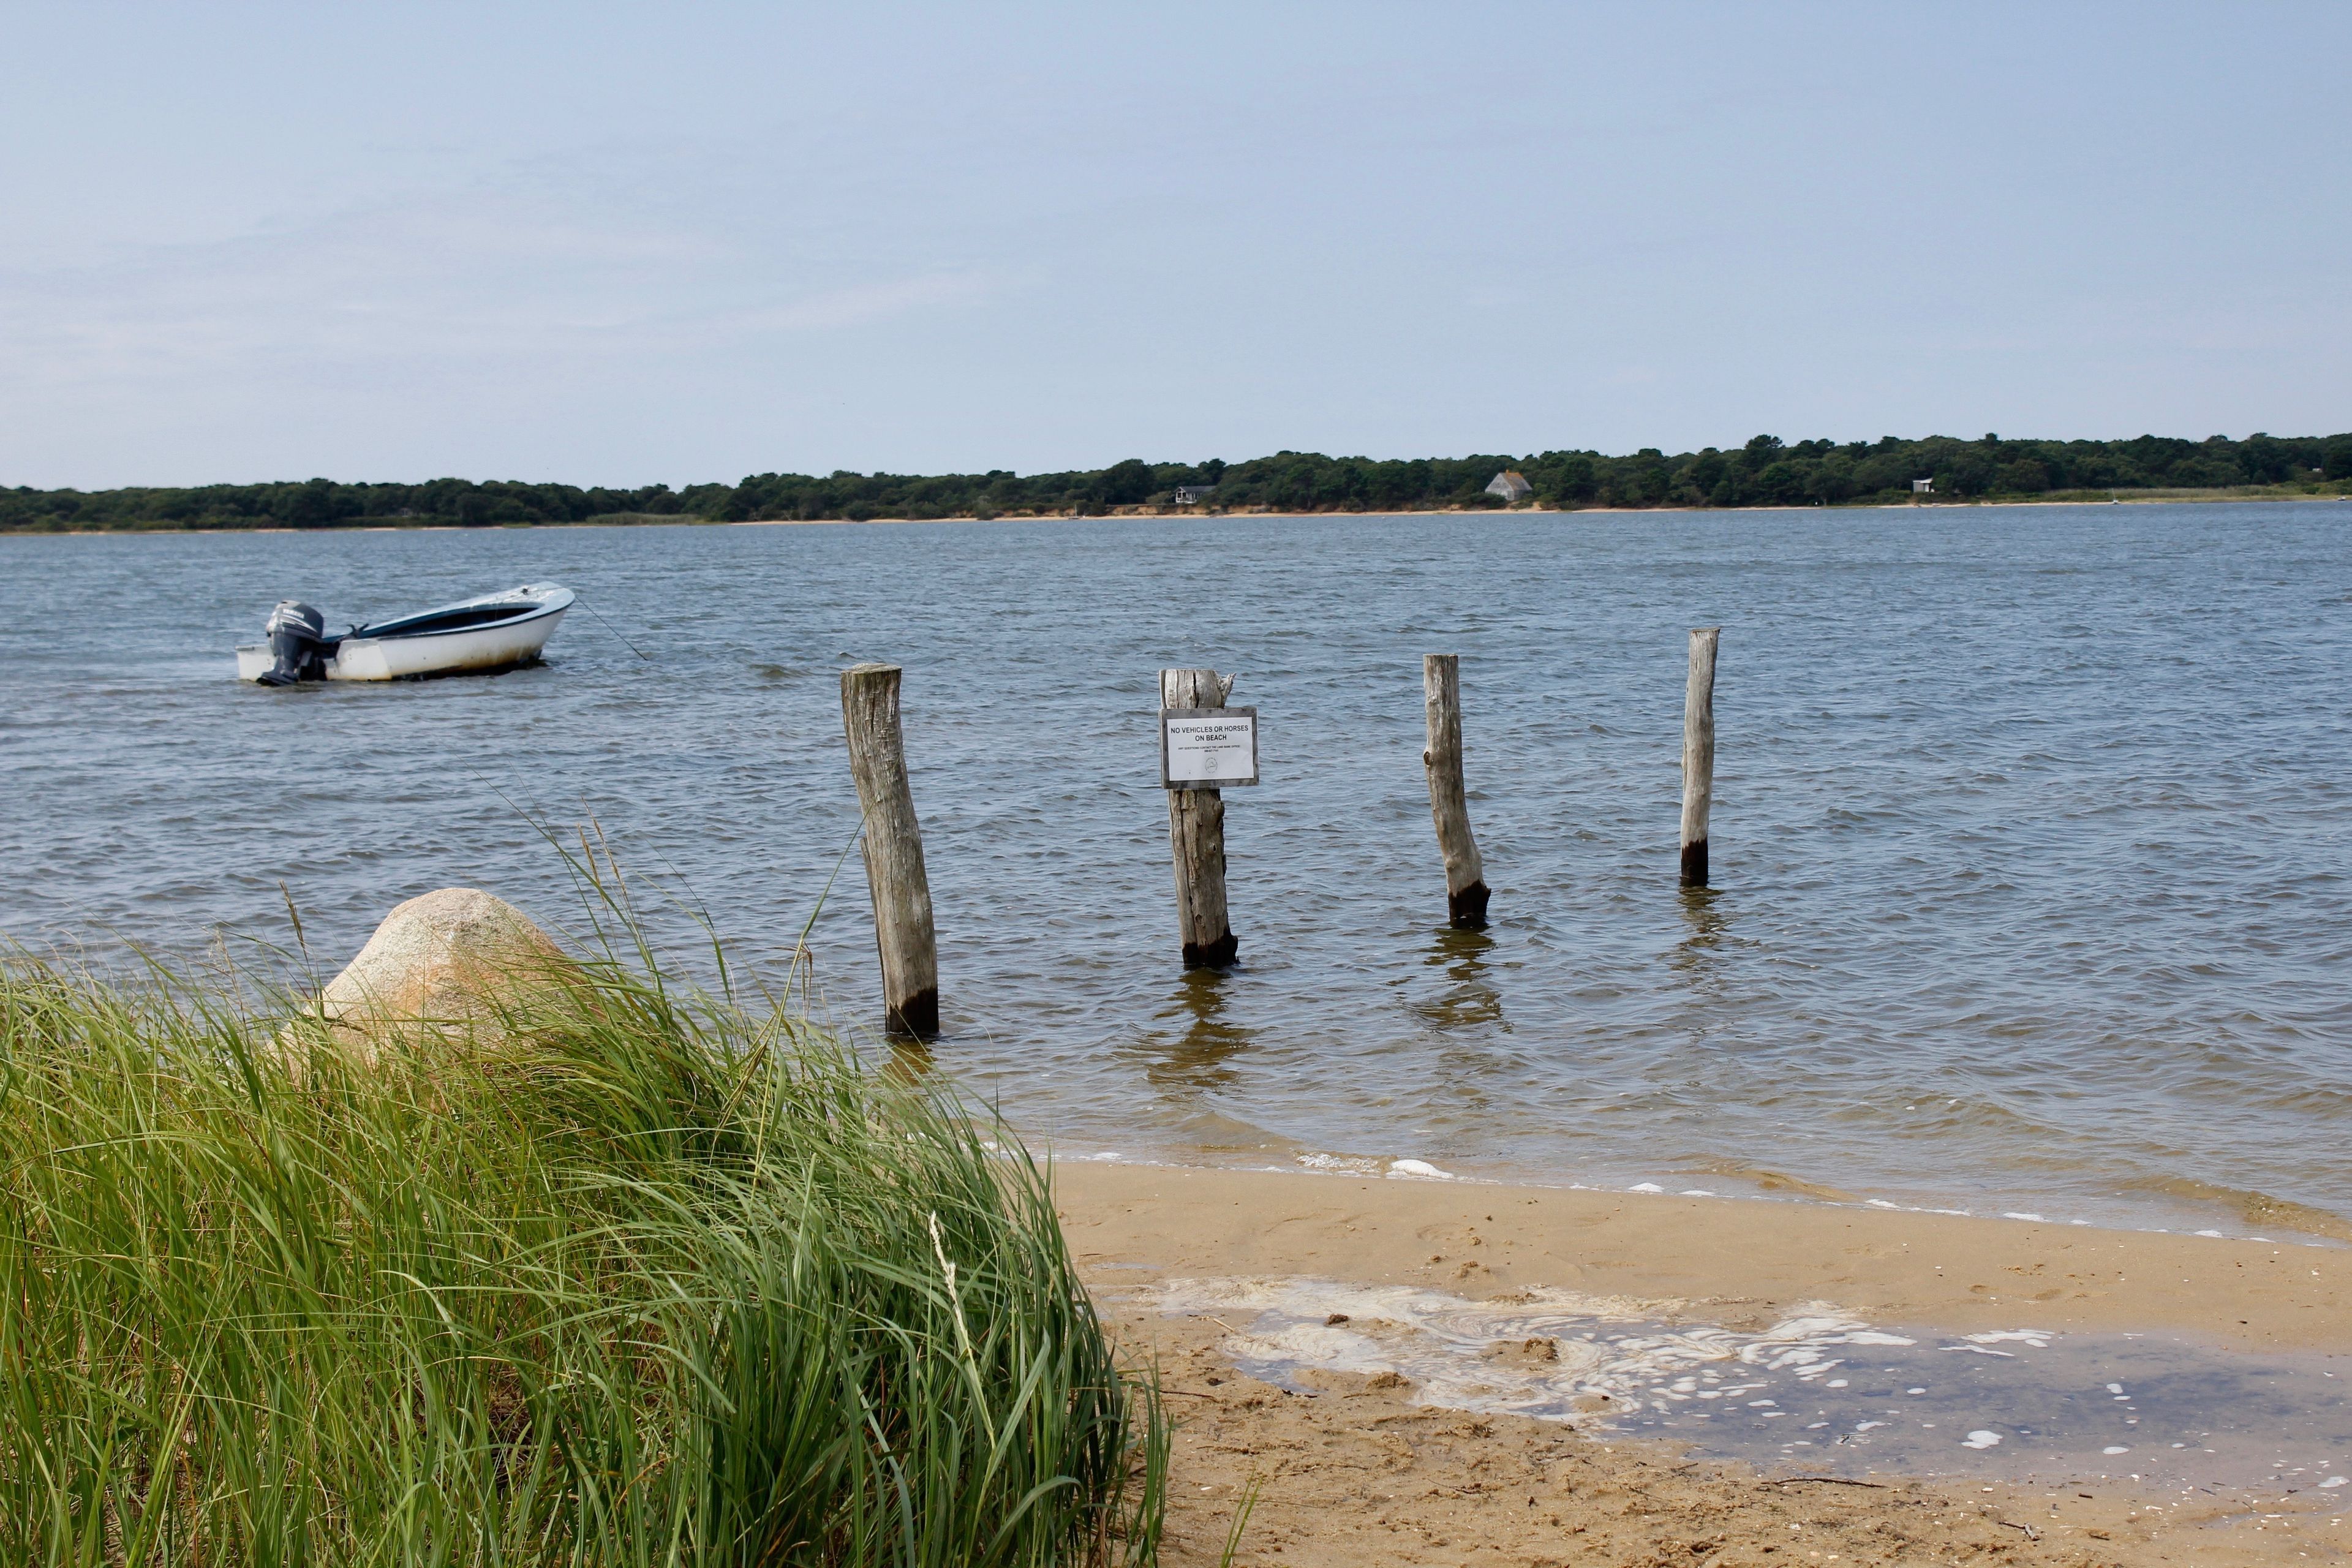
{"x":1739,"y":1262}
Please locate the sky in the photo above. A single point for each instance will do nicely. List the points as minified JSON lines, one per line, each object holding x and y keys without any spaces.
{"x":624,"y":245}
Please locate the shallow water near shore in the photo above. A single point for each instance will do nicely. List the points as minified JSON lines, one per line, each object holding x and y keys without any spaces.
{"x":2030,"y":836}
{"x":1818,"y":1390}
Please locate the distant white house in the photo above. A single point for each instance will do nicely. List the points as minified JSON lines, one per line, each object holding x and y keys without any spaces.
{"x":1923,"y":486}
{"x":1193,"y":495}
{"x":1511,"y":485}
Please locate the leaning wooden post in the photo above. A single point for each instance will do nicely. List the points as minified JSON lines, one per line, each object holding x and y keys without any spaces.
{"x":1196,"y":837}
{"x":894,"y":850}
{"x":1466,"y":875}
{"x":1698,"y":754}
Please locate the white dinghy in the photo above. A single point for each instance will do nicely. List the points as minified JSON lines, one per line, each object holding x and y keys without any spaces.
{"x":495,"y":631}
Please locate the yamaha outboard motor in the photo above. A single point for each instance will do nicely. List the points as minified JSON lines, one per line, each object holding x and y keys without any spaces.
{"x":297,"y":639}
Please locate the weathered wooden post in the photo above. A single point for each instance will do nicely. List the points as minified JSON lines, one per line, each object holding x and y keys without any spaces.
{"x":1698,"y":754}
{"x":894,"y":850}
{"x":1196,"y":815}
{"x":1466,"y":875}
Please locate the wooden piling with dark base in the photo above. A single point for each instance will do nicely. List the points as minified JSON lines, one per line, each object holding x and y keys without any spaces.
{"x":1449,"y":807}
{"x":1196,"y":838}
{"x":1698,"y":754}
{"x":894,"y":852}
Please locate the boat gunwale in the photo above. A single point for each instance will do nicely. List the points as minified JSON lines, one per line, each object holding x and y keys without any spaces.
{"x":554,"y":603}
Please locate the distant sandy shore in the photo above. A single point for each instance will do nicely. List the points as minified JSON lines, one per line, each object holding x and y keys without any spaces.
{"x":1360,"y":1475}
{"x":2159,"y":498}
{"x":1948,"y":503}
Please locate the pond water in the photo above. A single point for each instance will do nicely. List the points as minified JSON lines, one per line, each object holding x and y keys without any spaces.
{"x":2030,"y":841}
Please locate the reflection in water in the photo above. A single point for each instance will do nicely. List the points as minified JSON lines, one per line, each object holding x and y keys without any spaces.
{"x":912,"y":1060}
{"x":1469,"y":998}
{"x":1696,"y":954}
{"x":1196,"y":1059}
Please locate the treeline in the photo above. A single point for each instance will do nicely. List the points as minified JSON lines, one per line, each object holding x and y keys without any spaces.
{"x":1766,"y":471}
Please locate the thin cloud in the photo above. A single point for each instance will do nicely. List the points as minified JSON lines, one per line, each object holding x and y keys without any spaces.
{"x":866,"y":303}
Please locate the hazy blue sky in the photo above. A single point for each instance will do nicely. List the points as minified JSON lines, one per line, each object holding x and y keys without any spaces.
{"x":679,"y":242}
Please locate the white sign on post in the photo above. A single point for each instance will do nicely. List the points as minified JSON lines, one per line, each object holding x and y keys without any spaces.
{"x":1207,"y":748}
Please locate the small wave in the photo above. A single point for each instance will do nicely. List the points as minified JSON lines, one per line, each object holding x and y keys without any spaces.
{"x":1774,"y":1180}
{"x":1343,"y":1164}
{"x":2256,"y":1208}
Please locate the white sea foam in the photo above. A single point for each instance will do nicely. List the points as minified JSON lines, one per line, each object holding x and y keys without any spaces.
{"x":1352,"y":1164}
{"x":1535,"y":1353}
{"x":1980,"y":1440}
{"x":1418,"y":1171}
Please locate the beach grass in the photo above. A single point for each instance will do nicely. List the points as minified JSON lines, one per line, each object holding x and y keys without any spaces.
{"x":641,"y":1275}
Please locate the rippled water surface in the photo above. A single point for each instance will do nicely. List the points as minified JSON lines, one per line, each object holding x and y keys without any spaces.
{"x":2030,"y":836}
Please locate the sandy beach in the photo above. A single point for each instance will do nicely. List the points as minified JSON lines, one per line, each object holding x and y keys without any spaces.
{"x":1352,"y":1466}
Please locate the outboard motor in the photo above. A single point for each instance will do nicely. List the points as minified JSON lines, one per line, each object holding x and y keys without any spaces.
{"x":299,"y":640}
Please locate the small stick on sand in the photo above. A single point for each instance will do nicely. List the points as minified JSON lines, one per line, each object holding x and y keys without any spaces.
{"x":1822,"y":1480}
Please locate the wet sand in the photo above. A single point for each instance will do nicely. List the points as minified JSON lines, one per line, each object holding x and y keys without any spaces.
{"x":1356,"y":1468}
{"x":1741,"y":1260}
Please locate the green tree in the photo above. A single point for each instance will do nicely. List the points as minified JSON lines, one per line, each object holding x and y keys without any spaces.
{"x":310,"y":504}
{"x":1124,"y":483}
{"x":1779,"y":484}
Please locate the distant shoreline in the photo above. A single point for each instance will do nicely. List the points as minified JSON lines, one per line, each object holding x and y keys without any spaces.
{"x":1125,"y":514}
{"x":1764,"y":473}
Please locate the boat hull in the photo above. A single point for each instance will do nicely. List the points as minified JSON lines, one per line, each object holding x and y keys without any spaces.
{"x":471,"y":651}
{"x":474,"y":651}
